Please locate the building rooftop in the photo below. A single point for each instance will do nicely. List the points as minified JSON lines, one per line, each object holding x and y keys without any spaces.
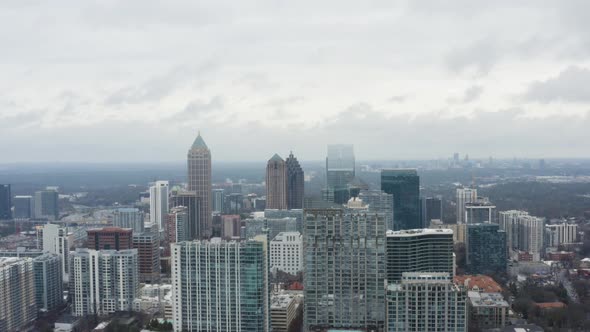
{"x":110,"y":229}
{"x":5,"y":261}
{"x":276,"y":157}
{"x":281,"y":300}
{"x":423,"y":231}
{"x":481,"y":283}
{"x":199,"y":143}
{"x":478,"y":299}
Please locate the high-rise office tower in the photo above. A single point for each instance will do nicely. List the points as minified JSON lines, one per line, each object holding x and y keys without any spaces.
{"x":426,"y":302}
{"x":485,"y":249}
{"x":147,"y":245}
{"x":344,"y":264}
{"x":286,"y":252}
{"x":404,"y":185}
{"x":419,"y":250}
{"x":340,"y":170}
{"x":159,"y":204}
{"x":480,"y":211}
{"x":295,"y":183}
{"x":218,"y":200}
{"x":276,"y":183}
{"x":193,"y":204}
{"x":103,"y":281}
{"x":5,"y":202}
{"x":17,"y":298}
{"x":129,"y":218}
{"x":220,"y":286}
{"x":23,"y":207}
{"x":46,"y":204}
{"x":431,"y":210}
{"x":48,"y":282}
{"x":199,"y":181}
{"x":110,"y":238}
{"x":178,"y":225}
{"x":464,"y":195}
{"x":379,"y":202}
{"x":55,"y":241}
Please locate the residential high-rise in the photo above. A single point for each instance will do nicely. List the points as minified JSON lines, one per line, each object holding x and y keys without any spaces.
{"x":286,"y":252}
{"x":218,"y":200}
{"x":344,"y":264}
{"x":561,"y":233}
{"x":404,"y":185}
{"x":178,"y":225}
{"x":5,"y":202}
{"x":523,"y":232}
{"x":48,"y":282}
{"x":480,"y":211}
{"x":46,"y":204}
{"x":431,"y":209}
{"x":426,"y":302}
{"x":379,"y":202}
{"x":464,"y":195}
{"x":159,"y":204}
{"x":419,"y":250}
{"x":295,"y":183}
{"x":199,"y":181}
{"x":340,"y":170}
{"x":485,"y":249}
{"x":193,"y":205}
{"x":276,"y":183}
{"x":147,"y":245}
{"x":18,"y":308}
{"x":103,"y":281}
{"x":110,"y":238}
{"x":220,"y":286}
{"x":23,"y":207}
{"x":129,"y":218}
{"x":55,"y":241}
{"x":280,"y":214}
{"x":487,"y":311}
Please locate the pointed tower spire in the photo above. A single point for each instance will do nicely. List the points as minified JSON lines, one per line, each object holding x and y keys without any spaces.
{"x":199,"y":143}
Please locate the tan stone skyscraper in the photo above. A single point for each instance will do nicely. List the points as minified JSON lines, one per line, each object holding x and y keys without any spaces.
{"x":199,"y":182}
{"x":276,"y":183}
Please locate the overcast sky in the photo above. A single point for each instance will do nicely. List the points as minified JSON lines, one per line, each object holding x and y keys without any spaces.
{"x":135,"y":80}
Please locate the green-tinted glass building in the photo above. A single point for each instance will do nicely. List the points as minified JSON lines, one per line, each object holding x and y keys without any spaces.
{"x":486,"y":249}
{"x":419,"y":250}
{"x":404,"y":185}
{"x":220,"y":286}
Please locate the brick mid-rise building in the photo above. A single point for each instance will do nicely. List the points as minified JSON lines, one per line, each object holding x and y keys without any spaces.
{"x":110,"y":238}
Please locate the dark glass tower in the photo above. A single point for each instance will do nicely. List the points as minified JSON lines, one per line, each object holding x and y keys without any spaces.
{"x":5,"y":202}
{"x":340,"y":170}
{"x":486,"y":249}
{"x":295,"y":183}
{"x":404,"y":185}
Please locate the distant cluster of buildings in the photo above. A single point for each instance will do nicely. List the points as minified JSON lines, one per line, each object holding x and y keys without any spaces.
{"x":369,"y":259}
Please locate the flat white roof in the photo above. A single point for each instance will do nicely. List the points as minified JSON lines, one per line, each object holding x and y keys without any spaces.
{"x":423,"y":231}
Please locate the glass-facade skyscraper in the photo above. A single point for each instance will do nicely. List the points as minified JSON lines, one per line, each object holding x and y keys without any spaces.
{"x":199,"y":182}
{"x":5,"y":202}
{"x":344,"y":264}
{"x":220,"y":286}
{"x":295,"y":183}
{"x":404,"y":185}
{"x":485,"y":249}
{"x":340,"y":170}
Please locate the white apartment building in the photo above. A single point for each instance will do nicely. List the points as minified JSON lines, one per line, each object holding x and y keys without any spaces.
{"x":159,"y":204}
{"x":103,"y":281}
{"x":286,"y":252}
{"x":55,"y":241}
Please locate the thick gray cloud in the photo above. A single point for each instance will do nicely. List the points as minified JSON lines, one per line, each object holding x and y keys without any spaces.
{"x":396,"y":78}
{"x":570,"y":85}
